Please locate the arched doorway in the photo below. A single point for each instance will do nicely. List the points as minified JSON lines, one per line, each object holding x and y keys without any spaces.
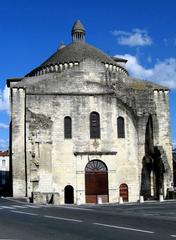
{"x":123,"y":190}
{"x":69,"y":194}
{"x":96,"y":182}
{"x":153,"y":169}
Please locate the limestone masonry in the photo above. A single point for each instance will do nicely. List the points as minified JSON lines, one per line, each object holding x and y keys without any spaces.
{"x":84,"y":131}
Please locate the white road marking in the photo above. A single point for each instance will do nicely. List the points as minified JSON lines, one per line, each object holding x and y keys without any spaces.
{"x":7,"y":207}
{"x":125,"y":228}
{"x":17,"y":201}
{"x":76,"y":208}
{"x":18,"y":206}
{"x":173,"y":236}
{"x":32,"y":206}
{"x":65,"y":219}
{"x":27,"y":213}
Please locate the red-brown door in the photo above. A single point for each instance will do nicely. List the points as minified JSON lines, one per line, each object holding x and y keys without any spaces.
{"x":96,"y":182}
{"x":123,"y":189}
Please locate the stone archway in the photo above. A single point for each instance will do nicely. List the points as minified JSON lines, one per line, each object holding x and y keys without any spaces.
{"x":69,"y":194}
{"x":96,"y":182}
{"x":152,"y":176}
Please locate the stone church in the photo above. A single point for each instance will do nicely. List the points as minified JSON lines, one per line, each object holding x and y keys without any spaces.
{"x":83,"y":131}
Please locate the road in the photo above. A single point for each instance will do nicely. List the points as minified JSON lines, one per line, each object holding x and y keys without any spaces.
{"x":21,"y":220}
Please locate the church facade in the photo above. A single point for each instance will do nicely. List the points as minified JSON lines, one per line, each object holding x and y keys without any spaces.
{"x":84,"y":131}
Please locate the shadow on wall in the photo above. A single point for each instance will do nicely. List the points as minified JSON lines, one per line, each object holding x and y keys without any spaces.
{"x":152,"y":176}
{"x":5,"y":186}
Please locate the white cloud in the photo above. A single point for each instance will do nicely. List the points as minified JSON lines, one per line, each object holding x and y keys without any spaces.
{"x":4,"y":144}
{"x":137,"y":37}
{"x":2,"y":125}
{"x":163,"y":72}
{"x":4,"y":99}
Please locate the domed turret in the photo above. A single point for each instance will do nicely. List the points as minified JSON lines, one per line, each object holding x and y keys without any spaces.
{"x":75,"y":52}
{"x":78,"y":32}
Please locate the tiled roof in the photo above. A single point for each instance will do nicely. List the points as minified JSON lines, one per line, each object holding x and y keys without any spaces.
{"x":4,"y":154}
{"x":76,"y":52}
{"x":144,"y":84}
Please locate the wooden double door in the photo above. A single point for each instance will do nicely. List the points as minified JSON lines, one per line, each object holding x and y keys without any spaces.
{"x":96,"y":182}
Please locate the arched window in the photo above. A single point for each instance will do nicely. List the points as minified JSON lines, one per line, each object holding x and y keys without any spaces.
{"x":67,"y":127}
{"x":120,"y":127}
{"x":96,"y":166}
{"x":149,"y":146}
{"x":94,"y":125}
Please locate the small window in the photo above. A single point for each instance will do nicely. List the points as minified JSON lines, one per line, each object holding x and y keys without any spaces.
{"x":94,"y":125}
{"x":67,"y":127}
{"x":120,"y":127}
{"x":3,"y":162}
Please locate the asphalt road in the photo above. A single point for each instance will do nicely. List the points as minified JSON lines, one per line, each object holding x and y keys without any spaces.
{"x":21,"y":220}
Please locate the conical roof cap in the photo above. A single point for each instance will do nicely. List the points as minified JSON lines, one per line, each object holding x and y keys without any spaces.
{"x":78,"y":26}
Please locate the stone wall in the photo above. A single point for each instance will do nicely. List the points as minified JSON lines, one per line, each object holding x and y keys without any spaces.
{"x":164,"y":134}
{"x":59,"y":166}
{"x":18,"y":142}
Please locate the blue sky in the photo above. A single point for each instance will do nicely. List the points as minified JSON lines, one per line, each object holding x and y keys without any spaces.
{"x":142,"y":31}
